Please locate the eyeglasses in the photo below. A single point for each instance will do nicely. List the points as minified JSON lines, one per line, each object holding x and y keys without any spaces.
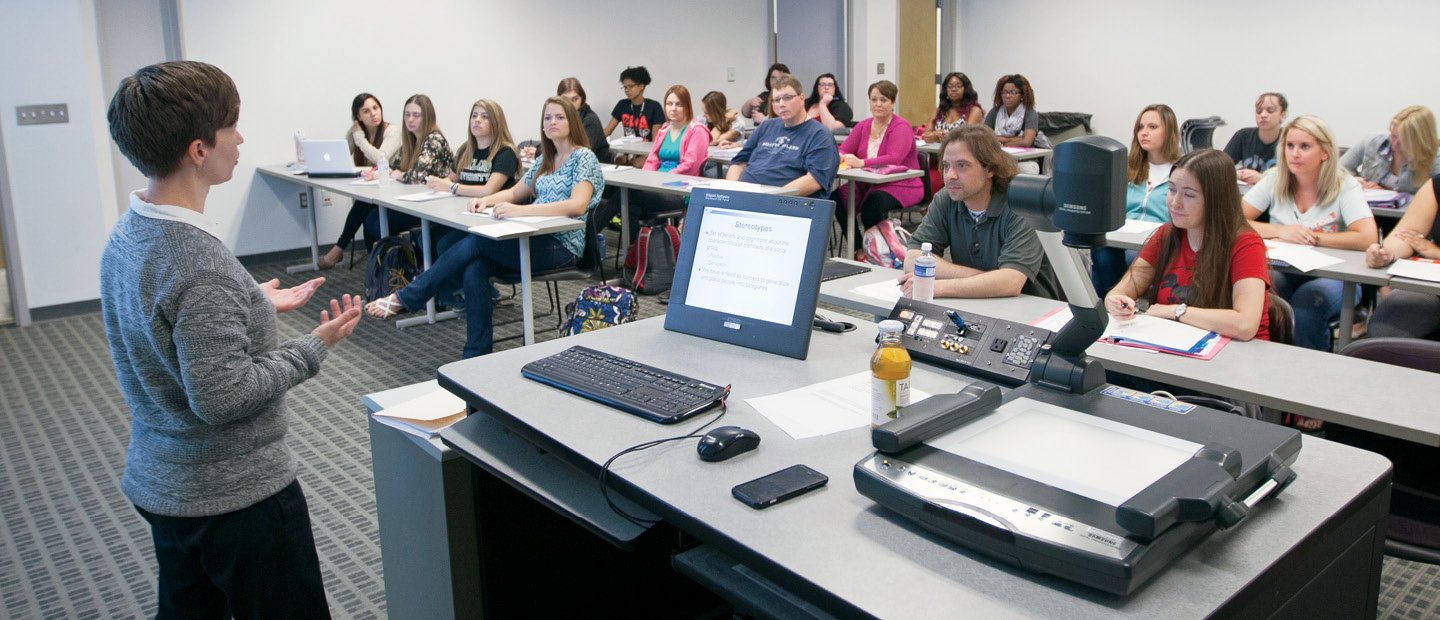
{"x":629,"y":86}
{"x":785,"y":98}
{"x":1010,"y":92}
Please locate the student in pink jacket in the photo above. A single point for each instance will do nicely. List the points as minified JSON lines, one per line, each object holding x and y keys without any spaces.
{"x":681,"y":147}
{"x":884,"y":139}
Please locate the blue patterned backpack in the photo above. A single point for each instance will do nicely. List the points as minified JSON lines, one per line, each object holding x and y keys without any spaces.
{"x":598,"y":307}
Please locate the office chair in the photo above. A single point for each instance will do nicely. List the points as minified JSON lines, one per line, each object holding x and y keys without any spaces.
{"x":1413,"y":532}
{"x":1198,"y":133}
{"x":591,"y":265}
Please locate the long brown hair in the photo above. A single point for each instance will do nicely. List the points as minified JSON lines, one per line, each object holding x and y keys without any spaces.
{"x":410,"y":146}
{"x":499,"y":131}
{"x":715,"y":109}
{"x":1138,"y":170}
{"x":376,"y":137}
{"x":547,"y":146}
{"x":1224,"y":221}
{"x":1027,"y":94}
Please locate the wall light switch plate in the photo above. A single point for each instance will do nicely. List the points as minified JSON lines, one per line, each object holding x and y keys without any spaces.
{"x":729,"y":74}
{"x":42,"y":114}
{"x":880,"y":68}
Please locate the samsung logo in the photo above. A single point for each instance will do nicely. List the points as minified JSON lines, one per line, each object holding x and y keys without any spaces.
{"x":1074,"y":208}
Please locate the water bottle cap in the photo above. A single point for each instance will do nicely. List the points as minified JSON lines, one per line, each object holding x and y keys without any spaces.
{"x":891,"y":327}
{"x":925,"y":247}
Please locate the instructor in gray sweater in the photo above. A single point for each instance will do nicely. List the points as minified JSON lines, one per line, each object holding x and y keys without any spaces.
{"x":197,"y":356}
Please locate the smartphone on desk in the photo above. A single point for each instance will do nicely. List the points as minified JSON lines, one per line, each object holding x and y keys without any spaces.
{"x":771,"y":489}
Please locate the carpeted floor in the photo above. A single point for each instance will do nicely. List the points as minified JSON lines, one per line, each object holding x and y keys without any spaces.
{"x":73,"y":547}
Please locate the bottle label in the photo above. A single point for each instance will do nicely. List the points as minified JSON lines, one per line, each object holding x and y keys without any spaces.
{"x":886,"y":396}
{"x":924,"y":271}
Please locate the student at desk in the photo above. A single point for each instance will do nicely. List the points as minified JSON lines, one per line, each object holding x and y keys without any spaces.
{"x":1214,"y":273}
{"x":993,"y":251}
{"x":199,"y":359}
{"x":959,"y":104}
{"x":884,"y":139}
{"x":1154,"y":148}
{"x":789,"y":150}
{"x":1400,"y":160}
{"x":424,"y":153}
{"x":724,"y":123}
{"x":681,"y":147}
{"x":757,"y":108}
{"x":371,"y":140}
{"x":1014,"y":118}
{"x":637,"y":115}
{"x":1409,"y":314}
{"x":1311,"y":201}
{"x":487,"y":162}
{"x":827,"y":105}
{"x":565,"y":181}
{"x":571,"y":90}
{"x":1253,"y":148}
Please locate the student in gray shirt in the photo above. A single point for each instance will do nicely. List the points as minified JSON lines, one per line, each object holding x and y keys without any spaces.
{"x":993,"y":252}
{"x":1401,"y":160}
{"x":198,"y":358}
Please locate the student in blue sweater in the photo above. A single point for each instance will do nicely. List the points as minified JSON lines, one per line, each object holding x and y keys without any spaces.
{"x":198,"y":358}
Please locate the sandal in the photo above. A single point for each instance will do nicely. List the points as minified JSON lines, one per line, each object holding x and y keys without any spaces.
{"x":385,"y":308}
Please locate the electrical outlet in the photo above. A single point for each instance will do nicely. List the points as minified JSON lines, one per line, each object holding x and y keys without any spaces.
{"x":880,"y":68}
{"x":729,"y":74}
{"x":304,"y":200}
{"x":325,"y":200}
{"x":42,"y":114}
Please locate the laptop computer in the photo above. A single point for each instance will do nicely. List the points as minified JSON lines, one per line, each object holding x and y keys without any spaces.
{"x":328,"y":159}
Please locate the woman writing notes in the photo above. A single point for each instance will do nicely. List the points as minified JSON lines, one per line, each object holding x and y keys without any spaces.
{"x":1253,"y":148}
{"x":1409,"y":314}
{"x":884,"y":139}
{"x":565,"y":181}
{"x":1311,"y":201}
{"x":1207,"y":267}
{"x":827,"y":105}
{"x":1401,"y":160}
{"x":1154,"y":148}
{"x":371,"y":140}
{"x":424,"y":153}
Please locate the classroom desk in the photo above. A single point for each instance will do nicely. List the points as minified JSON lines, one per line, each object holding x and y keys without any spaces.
{"x":627,"y":178}
{"x":1019,"y":153}
{"x":861,"y":175}
{"x":1315,"y":550}
{"x":1351,"y":271}
{"x":716,"y":154}
{"x":449,"y":211}
{"x":1368,"y":395}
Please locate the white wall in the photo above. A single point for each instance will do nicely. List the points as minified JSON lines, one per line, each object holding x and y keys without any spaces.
{"x":1353,"y":64}
{"x":873,"y":40}
{"x":131,"y":35}
{"x":60,"y":176}
{"x":298,"y":63}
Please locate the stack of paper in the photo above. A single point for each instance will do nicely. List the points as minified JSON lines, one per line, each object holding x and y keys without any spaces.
{"x":1148,"y":332}
{"x":823,"y":408}
{"x":1302,"y":257}
{"x":426,"y":415}
{"x":1418,"y":268}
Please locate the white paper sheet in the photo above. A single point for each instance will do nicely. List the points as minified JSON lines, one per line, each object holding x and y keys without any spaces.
{"x":528,"y":219}
{"x":502,"y":228}
{"x":1156,"y":331}
{"x":424,"y":196}
{"x":432,"y":405}
{"x":1418,"y":269}
{"x":736,"y":185}
{"x":1380,"y":195}
{"x":1139,"y":227}
{"x":888,"y":290}
{"x":823,"y":408}
{"x":371,"y":182}
{"x":1302,"y":257}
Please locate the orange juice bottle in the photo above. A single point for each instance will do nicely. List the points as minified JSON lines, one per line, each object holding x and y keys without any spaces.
{"x":889,"y":375}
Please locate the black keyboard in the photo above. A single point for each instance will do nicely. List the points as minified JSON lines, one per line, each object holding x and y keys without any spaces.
{"x":651,"y":393}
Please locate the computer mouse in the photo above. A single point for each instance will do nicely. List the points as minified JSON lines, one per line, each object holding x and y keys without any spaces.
{"x":726,"y":441}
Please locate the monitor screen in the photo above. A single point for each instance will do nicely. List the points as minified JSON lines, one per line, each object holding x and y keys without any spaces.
{"x":749,"y":269}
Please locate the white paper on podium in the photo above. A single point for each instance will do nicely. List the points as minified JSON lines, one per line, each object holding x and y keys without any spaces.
{"x":823,"y":408}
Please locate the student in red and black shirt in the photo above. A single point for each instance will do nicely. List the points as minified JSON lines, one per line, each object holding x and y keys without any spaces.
{"x":1214,"y":273}
{"x":639,"y":116}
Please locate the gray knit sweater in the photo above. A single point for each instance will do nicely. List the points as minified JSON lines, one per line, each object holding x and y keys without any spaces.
{"x":195,"y":349}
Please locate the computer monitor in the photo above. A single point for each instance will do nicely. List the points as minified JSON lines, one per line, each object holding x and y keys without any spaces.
{"x":749,"y":269}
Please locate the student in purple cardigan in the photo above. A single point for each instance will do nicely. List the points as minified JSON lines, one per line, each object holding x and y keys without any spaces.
{"x":884,"y":139}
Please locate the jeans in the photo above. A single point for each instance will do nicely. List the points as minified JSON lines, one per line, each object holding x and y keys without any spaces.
{"x":1316,"y":302}
{"x":475,"y":259}
{"x":256,"y":562}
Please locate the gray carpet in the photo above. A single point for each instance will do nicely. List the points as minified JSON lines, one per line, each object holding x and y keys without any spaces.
{"x":73,"y":547}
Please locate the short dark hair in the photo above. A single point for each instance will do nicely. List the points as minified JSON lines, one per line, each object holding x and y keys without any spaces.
{"x":159,"y":111}
{"x":638,"y":75}
{"x":886,"y":88}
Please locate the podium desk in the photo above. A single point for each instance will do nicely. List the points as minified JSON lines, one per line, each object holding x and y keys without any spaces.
{"x":1315,"y":549}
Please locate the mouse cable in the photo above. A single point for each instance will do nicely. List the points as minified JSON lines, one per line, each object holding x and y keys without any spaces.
{"x":605,"y":469}
{"x":834,"y":327}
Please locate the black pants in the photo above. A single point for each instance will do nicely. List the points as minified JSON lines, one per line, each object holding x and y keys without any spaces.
{"x":643,"y":206}
{"x":873,"y":209}
{"x":256,"y":562}
{"x":354,"y":220}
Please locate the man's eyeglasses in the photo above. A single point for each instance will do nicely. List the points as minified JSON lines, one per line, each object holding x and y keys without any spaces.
{"x":785,"y":98}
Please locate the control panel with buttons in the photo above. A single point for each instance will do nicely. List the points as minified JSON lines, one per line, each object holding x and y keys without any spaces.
{"x":977,"y":345}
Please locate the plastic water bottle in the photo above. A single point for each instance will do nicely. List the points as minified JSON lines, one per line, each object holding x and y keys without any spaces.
{"x":382,"y":172}
{"x":924,"y":289}
{"x":889,"y":375}
{"x":299,"y":151}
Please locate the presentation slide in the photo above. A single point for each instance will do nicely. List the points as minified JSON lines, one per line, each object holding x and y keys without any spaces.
{"x":748,"y":264}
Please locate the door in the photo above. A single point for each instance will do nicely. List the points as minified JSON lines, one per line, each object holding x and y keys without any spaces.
{"x":918,"y":22}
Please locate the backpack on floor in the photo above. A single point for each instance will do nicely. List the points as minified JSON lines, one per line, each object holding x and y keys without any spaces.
{"x":884,"y":244}
{"x":650,"y":261}
{"x":598,"y":307}
{"x":390,"y":266}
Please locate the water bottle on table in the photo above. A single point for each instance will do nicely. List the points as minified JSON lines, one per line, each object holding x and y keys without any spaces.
{"x":924,"y":287}
{"x":382,"y":172}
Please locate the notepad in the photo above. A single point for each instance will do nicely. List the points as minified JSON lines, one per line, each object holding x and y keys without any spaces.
{"x":424,"y":196}
{"x":1418,"y":268}
{"x":425,"y":415}
{"x":1166,"y":336}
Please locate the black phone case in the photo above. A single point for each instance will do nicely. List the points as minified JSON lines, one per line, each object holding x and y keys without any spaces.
{"x":771,"y":489}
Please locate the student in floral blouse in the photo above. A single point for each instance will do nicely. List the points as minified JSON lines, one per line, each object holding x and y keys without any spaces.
{"x":565,"y":181}
{"x":423,"y":153}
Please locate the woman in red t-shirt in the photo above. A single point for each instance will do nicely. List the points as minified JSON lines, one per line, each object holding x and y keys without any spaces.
{"x":1215,"y":276}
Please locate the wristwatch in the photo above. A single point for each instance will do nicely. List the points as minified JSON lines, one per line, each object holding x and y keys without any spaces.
{"x":454,"y":189}
{"x":1180,"y":311}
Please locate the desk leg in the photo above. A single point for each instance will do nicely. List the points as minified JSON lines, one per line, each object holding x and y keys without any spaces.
{"x":850,"y":232}
{"x":526,"y":305}
{"x":431,"y":316}
{"x":314,"y":264}
{"x":1347,"y":313}
{"x":624,"y":224}
{"x":384,"y":222}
